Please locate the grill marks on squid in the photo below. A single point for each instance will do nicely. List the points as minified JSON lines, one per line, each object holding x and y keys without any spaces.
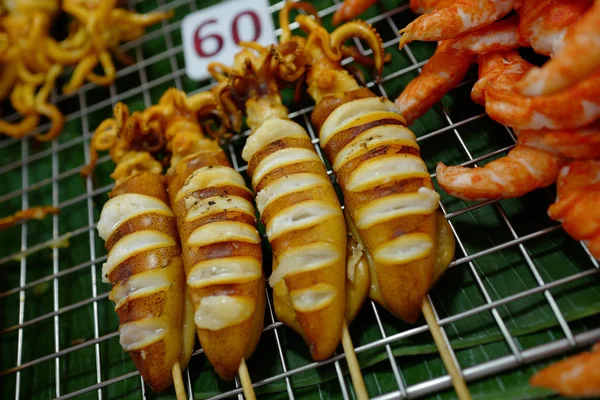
{"x":145,"y":269}
{"x":388,"y":192}
{"x":305,"y":227}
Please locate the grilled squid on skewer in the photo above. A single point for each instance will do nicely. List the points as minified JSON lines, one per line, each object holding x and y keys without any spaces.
{"x":144,"y":262}
{"x":216,"y":221}
{"x":299,"y":207}
{"x":386,"y":186}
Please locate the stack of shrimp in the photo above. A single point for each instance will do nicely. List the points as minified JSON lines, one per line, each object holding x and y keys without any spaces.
{"x":554,"y":109}
{"x":31,"y":60}
{"x":200,"y":220}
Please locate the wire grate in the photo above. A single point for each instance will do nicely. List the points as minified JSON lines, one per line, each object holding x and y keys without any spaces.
{"x":58,"y":334}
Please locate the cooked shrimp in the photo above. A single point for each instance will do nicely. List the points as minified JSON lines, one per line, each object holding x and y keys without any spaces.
{"x":579,"y":58}
{"x":577,"y":144}
{"x":576,"y":206}
{"x":575,"y":107}
{"x":351,"y":9}
{"x":444,"y":70}
{"x":500,"y":70}
{"x":544,"y":23}
{"x":499,"y":36}
{"x":524,"y":169}
{"x":427,"y":6}
{"x":461,"y":17}
{"x":577,"y":375}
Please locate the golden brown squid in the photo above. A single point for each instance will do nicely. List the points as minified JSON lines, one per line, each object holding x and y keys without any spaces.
{"x":105,"y":26}
{"x":216,"y":220}
{"x":25,"y":45}
{"x":298,"y":205}
{"x":386,"y":186}
{"x":144,"y":260}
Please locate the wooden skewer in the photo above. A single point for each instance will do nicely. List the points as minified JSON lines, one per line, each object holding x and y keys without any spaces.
{"x":462,"y":391}
{"x":360,"y":390}
{"x":178,"y":382}
{"x":246,"y":382}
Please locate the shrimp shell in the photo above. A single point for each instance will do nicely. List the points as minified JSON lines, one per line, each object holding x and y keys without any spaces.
{"x":498,"y":36}
{"x":577,"y":144}
{"x":427,"y":6}
{"x":576,"y":206}
{"x":459,"y":18}
{"x":578,"y":59}
{"x":444,"y":71}
{"x":524,"y":169}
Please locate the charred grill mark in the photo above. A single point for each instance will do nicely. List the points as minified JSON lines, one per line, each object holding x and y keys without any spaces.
{"x":314,"y":166}
{"x":280,"y":144}
{"x":147,"y":221}
{"x":341,"y":139}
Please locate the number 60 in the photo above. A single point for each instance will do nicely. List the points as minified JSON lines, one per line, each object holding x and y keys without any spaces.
{"x":235,"y":34}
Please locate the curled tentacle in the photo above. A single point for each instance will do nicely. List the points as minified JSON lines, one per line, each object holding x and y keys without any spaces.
{"x":284,"y":17}
{"x":576,"y":206}
{"x":104,"y":138}
{"x":523,"y":170}
{"x":366,"y":32}
{"x":36,"y":213}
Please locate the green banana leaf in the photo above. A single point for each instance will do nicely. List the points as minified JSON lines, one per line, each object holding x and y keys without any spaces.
{"x":50,"y":172}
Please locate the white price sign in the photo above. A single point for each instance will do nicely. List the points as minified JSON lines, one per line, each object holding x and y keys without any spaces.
{"x":213,"y":34}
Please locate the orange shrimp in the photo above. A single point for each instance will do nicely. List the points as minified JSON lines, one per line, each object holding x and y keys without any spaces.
{"x":427,"y":6}
{"x":524,"y":169}
{"x":544,"y":23}
{"x":578,"y":375}
{"x":577,"y":144}
{"x":499,"y":36}
{"x":351,"y":9}
{"x":444,"y":70}
{"x":575,"y":107}
{"x":460,"y":17}
{"x":579,"y":58}
{"x":576,"y":206}
{"x":500,"y":70}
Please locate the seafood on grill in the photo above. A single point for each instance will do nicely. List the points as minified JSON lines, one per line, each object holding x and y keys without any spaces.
{"x":576,"y":206}
{"x":460,"y":17}
{"x":28,"y":72}
{"x":105,"y":26}
{"x":544,"y":24}
{"x":33,"y":213}
{"x":575,"y":376}
{"x":144,"y":262}
{"x":215,"y":216}
{"x":351,"y":9}
{"x":523,"y":170}
{"x":298,"y":206}
{"x":386,"y":186}
{"x":577,"y":59}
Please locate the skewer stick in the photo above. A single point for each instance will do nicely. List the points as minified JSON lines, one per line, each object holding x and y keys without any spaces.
{"x":178,"y":382}
{"x":246,"y":382}
{"x":462,"y":391}
{"x":360,"y":390}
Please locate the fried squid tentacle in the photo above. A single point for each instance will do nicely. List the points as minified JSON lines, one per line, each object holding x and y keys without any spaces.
{"x":33,"y":213}
{"x":145,"y":268}
{"x":576,"y":206}
{"x":221,"y":246}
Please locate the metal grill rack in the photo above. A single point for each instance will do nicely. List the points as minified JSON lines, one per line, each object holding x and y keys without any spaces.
{"x":29,"y":275}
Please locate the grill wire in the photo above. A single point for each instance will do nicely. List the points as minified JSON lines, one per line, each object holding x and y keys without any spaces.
{"x":83,"y":111}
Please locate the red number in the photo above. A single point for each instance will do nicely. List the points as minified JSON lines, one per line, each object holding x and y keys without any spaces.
{"x":255,"y":21}
{"x":199,"y":40}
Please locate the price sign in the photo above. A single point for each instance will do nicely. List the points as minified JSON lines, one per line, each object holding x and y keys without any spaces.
{"x":213,"y":34}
